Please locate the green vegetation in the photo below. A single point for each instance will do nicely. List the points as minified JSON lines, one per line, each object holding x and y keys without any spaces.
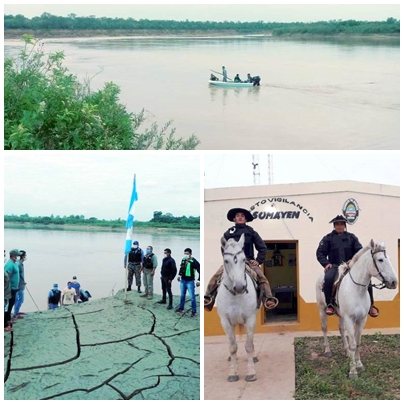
{"x":45,"y":107}
{"x":159,"y":220}
{"x":73,"y":23}
{"x":321,"y":378}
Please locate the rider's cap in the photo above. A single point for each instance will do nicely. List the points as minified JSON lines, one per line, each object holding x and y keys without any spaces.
{"x":231,"y":214}
{"x":338,"y":218}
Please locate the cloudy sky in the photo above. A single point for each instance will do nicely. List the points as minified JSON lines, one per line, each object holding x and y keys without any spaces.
{"x":232,"y":170}
{"x":100,"y":184}
{"x":216,"y":12}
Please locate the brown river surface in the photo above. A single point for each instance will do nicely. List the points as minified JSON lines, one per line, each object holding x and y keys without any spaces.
{"x":315,"y":94}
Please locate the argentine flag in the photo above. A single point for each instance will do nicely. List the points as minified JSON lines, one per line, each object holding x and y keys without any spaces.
{"x":131,"y":216}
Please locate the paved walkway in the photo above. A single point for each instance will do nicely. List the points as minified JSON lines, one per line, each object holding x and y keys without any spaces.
{"x":275,"y":369}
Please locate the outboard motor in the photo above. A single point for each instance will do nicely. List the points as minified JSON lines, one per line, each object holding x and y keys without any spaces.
{"x":213,"y":77}
{"x":256,"y":80}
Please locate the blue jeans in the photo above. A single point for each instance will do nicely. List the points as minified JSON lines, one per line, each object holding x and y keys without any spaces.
{"x":19,"y":300}
{"x":53,"y":306}
{"x":190,"y":286}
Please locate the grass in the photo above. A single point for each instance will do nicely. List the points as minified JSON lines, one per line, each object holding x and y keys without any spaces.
{"x":321,"y":378}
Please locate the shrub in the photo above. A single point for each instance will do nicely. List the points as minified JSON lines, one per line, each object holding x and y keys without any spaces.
{"x":46,"y":107}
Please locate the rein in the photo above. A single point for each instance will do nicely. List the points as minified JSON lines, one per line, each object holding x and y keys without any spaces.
{"x":380,"y":285}
{"x":235,"y":259}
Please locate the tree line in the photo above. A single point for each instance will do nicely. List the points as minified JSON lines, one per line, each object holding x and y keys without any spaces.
{"x":159,"y":220}
{"x":73,"y":22}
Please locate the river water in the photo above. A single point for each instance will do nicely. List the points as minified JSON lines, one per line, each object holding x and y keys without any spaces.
{"x":96,"y":258}
{"x":315,"y":94}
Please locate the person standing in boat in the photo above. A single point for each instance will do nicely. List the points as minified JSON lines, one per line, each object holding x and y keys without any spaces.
{"x":224,"y":72}
{"x":237,"y":78}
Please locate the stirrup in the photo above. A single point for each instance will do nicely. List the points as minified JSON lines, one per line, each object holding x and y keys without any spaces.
{"x":271,"y":299}
{"x":332,"y":307}
{"x":207,"y":300}
{"x":373,"y":315}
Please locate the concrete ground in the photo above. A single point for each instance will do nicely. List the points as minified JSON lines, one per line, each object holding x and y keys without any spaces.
{"x":275,"y":368}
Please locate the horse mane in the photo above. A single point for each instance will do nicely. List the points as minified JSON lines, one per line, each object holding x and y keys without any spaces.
{"x":344,"y":266}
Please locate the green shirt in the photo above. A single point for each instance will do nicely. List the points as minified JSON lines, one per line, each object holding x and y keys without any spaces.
{"x":11,"y":267}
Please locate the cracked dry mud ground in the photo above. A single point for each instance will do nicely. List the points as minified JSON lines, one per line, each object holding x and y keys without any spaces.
{"x":104,"y":350}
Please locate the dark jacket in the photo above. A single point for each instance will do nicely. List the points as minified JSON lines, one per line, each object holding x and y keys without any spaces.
{"x":335,"y":249}
{"x":168,"y":268}
{"x":251,"y":239}
{"x":194,"y":266}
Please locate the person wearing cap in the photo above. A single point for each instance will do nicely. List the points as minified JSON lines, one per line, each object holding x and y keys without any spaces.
{"x":68,"y":295}
{"x":54,"y":298}
{"x":252,"y":239}
{"x":76,"y":287}
{"x":11,"y":270}
{"x":135,"y":266}
{"x":19,"y":297}
{"x":335,"y":248}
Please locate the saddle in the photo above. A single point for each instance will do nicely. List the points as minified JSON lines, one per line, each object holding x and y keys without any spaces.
{"x":337,"y":283}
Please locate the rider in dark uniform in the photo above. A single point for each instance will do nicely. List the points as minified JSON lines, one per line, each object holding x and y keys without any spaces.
{"x":252,"y":239}
{"x":335,"y":248}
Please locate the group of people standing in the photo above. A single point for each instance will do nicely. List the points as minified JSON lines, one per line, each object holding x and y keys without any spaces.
{"x":14,"y":290}
{"x":138,"y":262}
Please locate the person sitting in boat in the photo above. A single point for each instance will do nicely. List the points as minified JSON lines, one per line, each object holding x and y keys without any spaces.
{"x":249,"y":78}
{"x":256,"y":80}
{"x":237,"y":79}
{"x":213,"y":78}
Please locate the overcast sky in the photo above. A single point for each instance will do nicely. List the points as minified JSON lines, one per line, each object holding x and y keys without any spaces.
{"x":230,"y":12}
{"x":232,"y":170}
{"x":100,"y":184}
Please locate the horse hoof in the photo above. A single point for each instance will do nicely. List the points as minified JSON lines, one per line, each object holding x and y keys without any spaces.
{"x":327,"y":354}
{"x":250,"y":378}
{"x":361,"y":369}
{"x":255,"y":359}
{"x":229,"y":359}
{"x":233,"y":378}
{"x":353,"y":376}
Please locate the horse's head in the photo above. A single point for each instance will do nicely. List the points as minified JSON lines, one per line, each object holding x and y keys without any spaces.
{"x":383,"y":269}
{"x":234,"y":264}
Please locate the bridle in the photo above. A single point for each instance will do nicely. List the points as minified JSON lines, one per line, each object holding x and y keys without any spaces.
{"x":380,"y":285}
{"x":235,"y":259}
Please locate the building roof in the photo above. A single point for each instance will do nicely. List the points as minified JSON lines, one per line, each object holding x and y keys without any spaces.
{"x":306,"y":188}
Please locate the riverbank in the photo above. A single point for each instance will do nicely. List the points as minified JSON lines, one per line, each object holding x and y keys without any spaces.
{"x":106,"y":349}
{"x":92,"y":228}
{"x":49,"y":34}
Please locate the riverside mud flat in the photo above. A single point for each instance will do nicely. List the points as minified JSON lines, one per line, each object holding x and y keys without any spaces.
{"x":107,"y":349}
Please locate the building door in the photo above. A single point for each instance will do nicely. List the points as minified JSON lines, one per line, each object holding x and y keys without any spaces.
{"x":280,"y":269}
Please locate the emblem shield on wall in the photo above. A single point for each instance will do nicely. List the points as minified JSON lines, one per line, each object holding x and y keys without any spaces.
{"x":351,"y":210}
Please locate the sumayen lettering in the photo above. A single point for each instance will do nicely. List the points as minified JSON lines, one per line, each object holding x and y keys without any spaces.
{"x":279,"y":215}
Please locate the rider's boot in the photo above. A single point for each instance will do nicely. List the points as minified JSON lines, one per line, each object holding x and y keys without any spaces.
{"x":268,"y":300}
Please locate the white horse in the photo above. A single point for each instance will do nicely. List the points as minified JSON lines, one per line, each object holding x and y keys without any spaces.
{"x":353,"y":300}
{"x":237,"y":304}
